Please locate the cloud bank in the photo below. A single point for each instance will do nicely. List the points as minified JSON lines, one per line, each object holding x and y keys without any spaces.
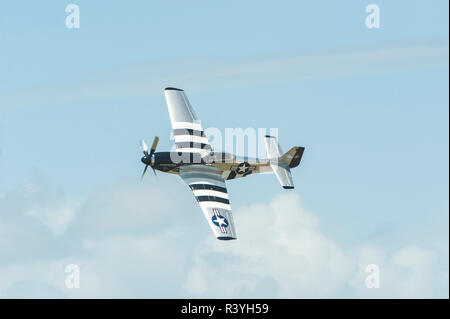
{"x":138,"y":240}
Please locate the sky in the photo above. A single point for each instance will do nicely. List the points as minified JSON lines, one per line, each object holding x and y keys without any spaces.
{"x":369,"y":105}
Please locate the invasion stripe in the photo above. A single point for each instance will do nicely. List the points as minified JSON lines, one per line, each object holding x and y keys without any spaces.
{"x":188,"y":131}
{"x":193,"y":145}
{"x":205,"y":181}
{"x":190,"y":138}
{"x":212,"y":199}
{"x":231,"y":175}
{"x":187,"y":125}
{"x":208,"y":186}
{"x":208,"y":192}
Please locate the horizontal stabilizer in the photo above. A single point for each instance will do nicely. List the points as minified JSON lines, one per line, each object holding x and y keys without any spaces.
{"x":279,"y":163}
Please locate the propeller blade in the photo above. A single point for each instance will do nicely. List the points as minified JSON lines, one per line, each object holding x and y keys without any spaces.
{"x":143,"y":173}
{"x":144,"y":147}
{"x":155,"y":143}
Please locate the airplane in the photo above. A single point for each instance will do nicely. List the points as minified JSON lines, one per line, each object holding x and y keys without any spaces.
{"x":205,"y":171}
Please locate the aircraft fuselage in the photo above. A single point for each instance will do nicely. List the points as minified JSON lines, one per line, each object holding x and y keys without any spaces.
{"x":170,"y":162}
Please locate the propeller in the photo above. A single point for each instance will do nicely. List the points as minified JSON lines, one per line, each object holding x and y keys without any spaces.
{"x":147,"y":159}
{"x":144,"y":147}
{"x":155,"y":143}
{"x":143,"y":173}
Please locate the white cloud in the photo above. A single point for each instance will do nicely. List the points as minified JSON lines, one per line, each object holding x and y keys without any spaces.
{"x":262,"y":251}
{"x":281,"y":252}
{"x":57,"y":218}
{"x":138,"y":240}
{"x":413,"y":256}
{"x":410,"y":272}
{"x":280,"y":241}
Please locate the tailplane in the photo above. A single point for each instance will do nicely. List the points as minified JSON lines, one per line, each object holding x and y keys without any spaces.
{"x":282,"y":163}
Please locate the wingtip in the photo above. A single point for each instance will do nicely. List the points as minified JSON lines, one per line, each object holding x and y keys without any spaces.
{"x":288,"y":187}
{"x":172,"y":89}
{"x":226,"y":238}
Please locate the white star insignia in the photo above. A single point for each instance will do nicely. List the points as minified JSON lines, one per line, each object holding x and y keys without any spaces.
{"x":243,"y":168}
{"x":220,"y":221}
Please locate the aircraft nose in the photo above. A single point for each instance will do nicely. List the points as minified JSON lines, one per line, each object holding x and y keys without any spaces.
{"x":147,"y":160}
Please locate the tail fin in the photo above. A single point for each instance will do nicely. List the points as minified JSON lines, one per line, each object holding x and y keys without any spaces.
{"x":282,"y":164}
{"x":293,"y":156}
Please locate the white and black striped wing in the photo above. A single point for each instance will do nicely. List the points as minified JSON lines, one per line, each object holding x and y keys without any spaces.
{"x":208,"y":186}
{"x":187,"y":129}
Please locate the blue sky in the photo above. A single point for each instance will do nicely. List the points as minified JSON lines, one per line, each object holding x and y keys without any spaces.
{"x":369,"y":105}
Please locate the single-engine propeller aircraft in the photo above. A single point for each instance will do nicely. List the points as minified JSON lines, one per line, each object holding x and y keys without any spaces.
{"x":205,"y":171}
